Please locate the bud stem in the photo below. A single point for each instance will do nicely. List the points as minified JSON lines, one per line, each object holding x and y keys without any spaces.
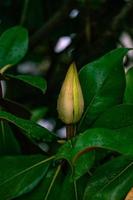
{"x":70,"y":130}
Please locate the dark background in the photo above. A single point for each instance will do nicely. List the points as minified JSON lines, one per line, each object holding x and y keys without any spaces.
{"x":93,"y":27}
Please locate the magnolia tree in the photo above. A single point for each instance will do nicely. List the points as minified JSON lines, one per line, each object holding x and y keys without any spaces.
{"x":95,"y":105}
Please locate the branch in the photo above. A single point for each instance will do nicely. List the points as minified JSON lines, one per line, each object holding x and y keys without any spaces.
{"x":118,"y":20}
{"x":122,"y":15}
{"x":54,"y":22}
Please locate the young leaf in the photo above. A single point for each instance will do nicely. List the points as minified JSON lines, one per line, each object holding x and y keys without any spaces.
{"x":20,"y":174}
{"x":111,"y":181}
{"x":30,"y":128}
{"x":35,"y":81}
{"x":103,"y":83}
{"x":117,"y":117}
{"x":128,"y":98}
{"x":8,"y":142}
{"x":13,"y":45}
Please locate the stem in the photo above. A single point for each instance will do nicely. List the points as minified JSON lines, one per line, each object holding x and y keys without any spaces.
{"x":75,"y":189}
{"x":53,"y":180}
{"x":24,"y":12}
{"x":5,"y":68}
{"x":70,"y":131}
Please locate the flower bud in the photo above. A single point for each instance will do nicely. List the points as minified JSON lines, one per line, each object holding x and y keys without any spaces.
{"x":70,"y":102}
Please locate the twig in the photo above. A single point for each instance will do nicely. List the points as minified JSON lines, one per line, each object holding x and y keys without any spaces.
{"x":121,"y":16}
{"x":116,"y":24}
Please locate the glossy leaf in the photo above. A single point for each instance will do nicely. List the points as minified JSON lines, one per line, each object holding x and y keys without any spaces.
{"x":13,"y":45}
{"x":35,"y":81}
{"x":20,"y":174}
{"x":128,"y":98}
{"x":111,"y":181}
{"x":120,"y":141}
{"x":8,"y":142}
{"x":41,"y":189}
{"x":54,"y":184}
{"x":117,"y":117}
{"x":103,"y":83}
{"x":30,"y":128}
{"x":15,"y":108}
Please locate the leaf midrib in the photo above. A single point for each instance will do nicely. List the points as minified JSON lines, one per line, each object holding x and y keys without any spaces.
{"x":118,"y":175}
{"x":92,"y":100}
{"x":26,"y":170}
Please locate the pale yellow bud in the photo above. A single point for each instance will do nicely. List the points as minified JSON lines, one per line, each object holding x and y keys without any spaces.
{"x":70,"y":102}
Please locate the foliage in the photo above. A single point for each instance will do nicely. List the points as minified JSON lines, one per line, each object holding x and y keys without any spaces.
{"x":35,"y":162}
{"x":72,"y":165}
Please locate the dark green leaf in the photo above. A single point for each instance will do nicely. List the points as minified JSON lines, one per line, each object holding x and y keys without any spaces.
{"x":111,"y":181}
{"x":13,"y":45}
{"x":20,"y":174}
{"x":8,"y":142}
{"x":35,"y":81}
{"x":81,"y":165}
{"x":120,"y":141}
{"x":129,"y":87}
{"x":30,"y":128}
{"x":62,"y":186}
{"x":40,"y":191}
{"x":81,"y":185}
{"x":54,"y":184}
{"x":117,"y":117}
{"x":15,"y":108}
{"x":103,"y":83}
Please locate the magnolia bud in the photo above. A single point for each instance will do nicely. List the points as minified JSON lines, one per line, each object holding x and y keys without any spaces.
{"x":70,"y":102}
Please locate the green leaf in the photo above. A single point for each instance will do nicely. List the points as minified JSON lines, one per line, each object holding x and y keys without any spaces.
{"x":111,"y":181}
{"x":82,"y":163}
{"x":120,"y":141}
{"x":8,"y":142}
{"x":41,"y":189}
{"x":35,"y":81}
{"x":103,"y":84}
{"x":128,"y":98}
{"x":62,"y":185}
{"x":54,"y":184}
{"x":117,"y":117}
{"x":20,"y":174}
{"x":13,"y":45}
{"x":30,"y":128}
{"x":39,"y":113}
{"x":15,"y":108}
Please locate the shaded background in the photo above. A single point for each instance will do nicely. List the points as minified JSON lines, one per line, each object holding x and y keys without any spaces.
{"x":61,"y":32}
